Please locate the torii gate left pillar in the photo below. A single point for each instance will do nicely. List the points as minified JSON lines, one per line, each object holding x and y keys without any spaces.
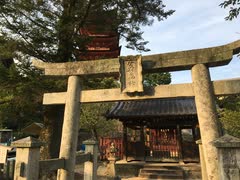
{"x":70,"y":129}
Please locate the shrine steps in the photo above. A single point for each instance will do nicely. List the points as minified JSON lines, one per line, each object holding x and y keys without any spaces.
{"x":161,"y":172}
{"x":155,"y":171}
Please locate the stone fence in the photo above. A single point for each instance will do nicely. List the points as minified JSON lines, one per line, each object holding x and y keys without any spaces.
{"x":28,"y":166}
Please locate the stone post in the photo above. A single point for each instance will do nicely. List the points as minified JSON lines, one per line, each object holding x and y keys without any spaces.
{"x":90,"y":167}
{"x":229,"y":157}
{"x":207,"y":117}
{"x":202,"y":160}
{"x":111,"y":171}
{"x":27,"y":158}
{"x":70,"y":129}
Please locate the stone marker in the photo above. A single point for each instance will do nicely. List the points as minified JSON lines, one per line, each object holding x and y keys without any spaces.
{"x":229,"y":157}
{"x":27,"y":161}
{"x":90,"y":167}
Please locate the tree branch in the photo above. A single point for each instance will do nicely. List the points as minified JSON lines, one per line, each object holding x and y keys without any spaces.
{"x":4,"y":101}
{"x":82,"y":22}
{"x":24,"y":38}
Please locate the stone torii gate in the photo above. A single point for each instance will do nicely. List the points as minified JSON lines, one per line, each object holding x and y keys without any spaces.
{"x":202,"y":88}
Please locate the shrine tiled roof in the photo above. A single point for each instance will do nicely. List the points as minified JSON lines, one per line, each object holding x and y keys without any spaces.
{"x":154,"y":108}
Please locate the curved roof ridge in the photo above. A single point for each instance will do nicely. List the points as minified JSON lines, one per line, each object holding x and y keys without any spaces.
{"x":181,"y":106}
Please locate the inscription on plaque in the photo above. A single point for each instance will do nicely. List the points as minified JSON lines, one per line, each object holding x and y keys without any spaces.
{"x":131,"y":74}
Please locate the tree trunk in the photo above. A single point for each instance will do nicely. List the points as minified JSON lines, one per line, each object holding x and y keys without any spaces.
{"x":66,"y":31}
{"x":51,"y":133}
{"x":53,"y":115}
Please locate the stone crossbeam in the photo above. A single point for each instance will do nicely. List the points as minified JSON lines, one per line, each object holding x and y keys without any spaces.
{"x":223,"y":87}
{"x":182,"y":60}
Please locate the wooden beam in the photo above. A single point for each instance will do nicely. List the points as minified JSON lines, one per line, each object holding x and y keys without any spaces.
{"x":173,"y":61}
{"x":223,"y":87}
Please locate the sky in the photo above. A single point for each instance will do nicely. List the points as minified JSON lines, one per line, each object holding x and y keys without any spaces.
{"x":195,"y":24}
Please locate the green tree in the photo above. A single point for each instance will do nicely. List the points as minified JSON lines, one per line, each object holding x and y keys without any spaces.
{"x":93,"y":119}
{"x":7,"y":48}
{"x":155,"y":79}
{"x":92,"y":114}
{"x":230,"y":114}
{"x":14,"y":87}
{"x":49,"y":30}
{"x":21,"y":92}
{"x":234,"y":6}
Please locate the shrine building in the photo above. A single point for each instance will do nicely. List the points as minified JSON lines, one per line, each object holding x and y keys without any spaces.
{"x":159,"y":130}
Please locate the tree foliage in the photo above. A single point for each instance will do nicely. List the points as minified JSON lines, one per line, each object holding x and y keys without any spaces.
{"x":7,"y":48}
{"x":49,"y":29}
{"x":234,"y":6}
{"x":93,"y":119}
{"x":155,"y":79}
{"x":22,"y":87}
{"x":14,"y":110}
{"x":230,"y":114}
{"x":92,"y":115}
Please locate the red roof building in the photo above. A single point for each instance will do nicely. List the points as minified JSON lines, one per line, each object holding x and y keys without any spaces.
{"x":104,"y":39}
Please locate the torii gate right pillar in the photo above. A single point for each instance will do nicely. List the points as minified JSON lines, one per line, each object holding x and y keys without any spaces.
{"x":207,"y":117}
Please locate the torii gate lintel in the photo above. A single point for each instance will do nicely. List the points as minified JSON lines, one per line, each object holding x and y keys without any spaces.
{"x":174,"y":61}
